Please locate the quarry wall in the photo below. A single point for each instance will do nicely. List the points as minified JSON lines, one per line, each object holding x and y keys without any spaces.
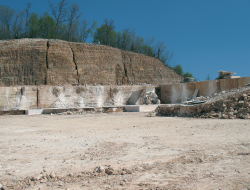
{"x":67,"y":96}
{"x":56,"y":62}
{"x":231,"y":105}
{"x":176,"y":93}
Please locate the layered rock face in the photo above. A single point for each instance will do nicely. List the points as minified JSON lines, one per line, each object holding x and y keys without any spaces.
{"x":23,"y":62}
{"x":52,"y":62}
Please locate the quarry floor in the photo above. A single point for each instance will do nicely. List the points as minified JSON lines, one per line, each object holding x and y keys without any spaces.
{"x":62,"y":151}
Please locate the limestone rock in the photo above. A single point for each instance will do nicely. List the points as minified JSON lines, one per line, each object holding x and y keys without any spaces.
{"x":52,"y":175}
{"x":99,"y":169}
{"x":109,"y":171}
{"x":52,"y":62}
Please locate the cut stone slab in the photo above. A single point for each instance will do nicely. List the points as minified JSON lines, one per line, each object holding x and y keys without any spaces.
{"x":140,"y":108}
{"x":33,"y":111}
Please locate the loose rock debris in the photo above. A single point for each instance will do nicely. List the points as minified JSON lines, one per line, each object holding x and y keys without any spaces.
{"x":226,"y":105}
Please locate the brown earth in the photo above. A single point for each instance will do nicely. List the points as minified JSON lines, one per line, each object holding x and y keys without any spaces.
{"x":52,"y":62}
{"x":138,"y":152}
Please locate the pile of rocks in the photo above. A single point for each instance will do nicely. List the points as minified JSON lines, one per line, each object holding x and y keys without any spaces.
{"x":148,"y":98}
{"x":94,"y":110}
{"x":226,"y":104}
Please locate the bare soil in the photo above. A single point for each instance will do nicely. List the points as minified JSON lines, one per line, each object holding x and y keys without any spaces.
{"x":139,"y":152}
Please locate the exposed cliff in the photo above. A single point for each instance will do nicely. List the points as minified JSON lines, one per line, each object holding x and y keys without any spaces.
{"x":51,"y":62}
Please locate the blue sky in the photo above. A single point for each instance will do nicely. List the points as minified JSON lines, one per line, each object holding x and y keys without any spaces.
{"x":205,"y":35}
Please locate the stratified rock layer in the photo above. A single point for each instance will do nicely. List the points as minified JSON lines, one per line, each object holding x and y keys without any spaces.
{"x":23,"y":62}
{"x":52,"y":62}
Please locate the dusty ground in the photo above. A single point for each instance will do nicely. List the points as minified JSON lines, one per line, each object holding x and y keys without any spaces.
{"x":62,"y":152}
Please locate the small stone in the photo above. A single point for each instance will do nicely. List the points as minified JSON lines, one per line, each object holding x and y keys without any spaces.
{"x":109,"y":171}
{"x":52,"y":175}
{"x":239,"y":171}
{"x":36,"y":178}
{"x":100,"y":169}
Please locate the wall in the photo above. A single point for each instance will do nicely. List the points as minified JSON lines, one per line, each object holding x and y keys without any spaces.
{"x":176,"y":93}
{"x":67,"y":96}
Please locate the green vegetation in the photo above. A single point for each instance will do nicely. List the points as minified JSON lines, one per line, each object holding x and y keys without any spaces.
{"x":178,"y":69}
{"x":62,"y":21}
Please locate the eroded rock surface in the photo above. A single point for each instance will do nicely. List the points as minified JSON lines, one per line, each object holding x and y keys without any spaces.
{"x":52,"y":62}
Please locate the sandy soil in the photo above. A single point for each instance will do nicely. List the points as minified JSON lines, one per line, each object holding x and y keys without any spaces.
{"x":140,"y":152}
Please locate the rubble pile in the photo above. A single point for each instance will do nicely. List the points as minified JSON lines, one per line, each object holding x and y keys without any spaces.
{"x":96,"y":110}
{"x":62,"y":180}
{"x":148,"y":98}
{"x":226,"y":105}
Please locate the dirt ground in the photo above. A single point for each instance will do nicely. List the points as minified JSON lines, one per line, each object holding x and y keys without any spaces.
{"x":134,"y":152}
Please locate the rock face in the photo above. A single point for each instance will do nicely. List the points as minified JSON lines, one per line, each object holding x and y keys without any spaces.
{"x":68,"y":96}
{"x":52,"y":62}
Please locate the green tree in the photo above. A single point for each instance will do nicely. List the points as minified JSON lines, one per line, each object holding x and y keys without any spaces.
{"x":46,"y":26}
{"x":178,"y":69}
{"x":106,"y":34}
{"x":33,"y":26}
{"x":187,"y":74}
{"x":6,"y":19}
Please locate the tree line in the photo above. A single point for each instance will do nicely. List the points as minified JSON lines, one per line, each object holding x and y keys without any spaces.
{"x":63,"y":21}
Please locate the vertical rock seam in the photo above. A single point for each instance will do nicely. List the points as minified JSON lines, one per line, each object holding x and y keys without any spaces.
{"x":37,"y":95}
{"x":47,"y":64}
{"x":125,"y":81}
{"x":125,"y":70}
{"x":74,"y":60}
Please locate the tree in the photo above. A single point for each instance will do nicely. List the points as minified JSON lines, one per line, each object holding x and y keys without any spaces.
{"x":178,"y":69}
{"x":73,"y":22}
{"x":6,"y":19}
{"x":46,"y":26}
{"x":106,"y":34}
{"x":17,"y":28}
{"x":33,"y":26}
{"x":188,"y":74}
{"x":27,"y":15}
{"x":59,"y":13}
{"x":208,"y":77}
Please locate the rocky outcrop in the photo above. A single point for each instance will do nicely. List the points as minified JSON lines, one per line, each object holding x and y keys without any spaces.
{"x":52,"y":62}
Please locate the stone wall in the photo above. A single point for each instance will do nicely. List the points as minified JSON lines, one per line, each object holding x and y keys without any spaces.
{"x":67,"y":96}
{"x":53,"y":62}
{"x":176,"y":93}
